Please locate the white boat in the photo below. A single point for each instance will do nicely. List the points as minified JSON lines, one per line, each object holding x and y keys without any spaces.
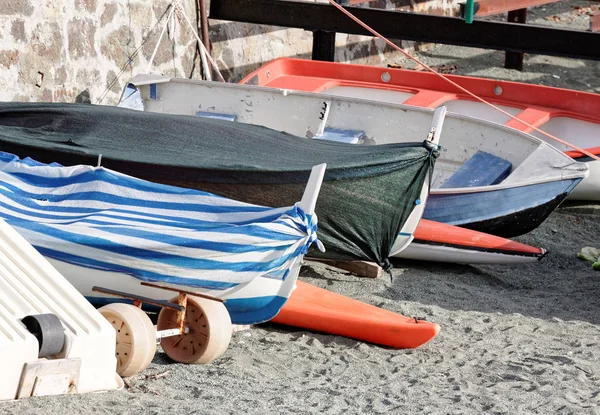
{"x":529,"y":180}
{"x":573,"y":116}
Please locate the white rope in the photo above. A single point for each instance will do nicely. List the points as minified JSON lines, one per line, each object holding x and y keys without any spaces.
{"x":162,"y":34}
{"x":202,"y":48}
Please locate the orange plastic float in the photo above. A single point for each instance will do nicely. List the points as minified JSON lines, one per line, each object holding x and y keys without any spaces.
{"x":314,"y":308}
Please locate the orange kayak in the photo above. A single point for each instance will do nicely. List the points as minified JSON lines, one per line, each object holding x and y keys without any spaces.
{"x":316,"y":309}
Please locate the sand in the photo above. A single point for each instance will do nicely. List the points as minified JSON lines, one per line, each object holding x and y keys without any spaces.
{"x":514,"y":339}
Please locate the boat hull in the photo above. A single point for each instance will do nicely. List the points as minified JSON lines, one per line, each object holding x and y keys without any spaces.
{"x":589,"y":188}
{"x":254,"y":302}
{"x":508,"y":212}
{"x":440,"y":242}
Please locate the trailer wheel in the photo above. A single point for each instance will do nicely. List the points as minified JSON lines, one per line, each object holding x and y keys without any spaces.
{"x":49,"y":332}
{"x":209,"y":331}
{"x":136,"y":337}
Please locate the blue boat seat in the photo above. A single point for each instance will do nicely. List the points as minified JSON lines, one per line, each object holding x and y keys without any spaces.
{"x":483,"y":169}
{"x":341,"y":136}
{"x":216,"y":115}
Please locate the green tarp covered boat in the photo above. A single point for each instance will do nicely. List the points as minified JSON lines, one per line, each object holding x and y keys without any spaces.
{"x":368,"y":193}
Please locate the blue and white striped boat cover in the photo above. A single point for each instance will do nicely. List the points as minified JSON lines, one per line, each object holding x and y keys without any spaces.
{"x":102,"y":219}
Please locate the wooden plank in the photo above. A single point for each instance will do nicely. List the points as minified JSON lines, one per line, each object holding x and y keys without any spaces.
{"x":182,"y":291}
{"x":514,"y":60}
{"x":360,"y":268}
{"x":595,"y":22}
{"x":323,"y":46}
{"x":491,"y":7}
{"x":159,"y":303}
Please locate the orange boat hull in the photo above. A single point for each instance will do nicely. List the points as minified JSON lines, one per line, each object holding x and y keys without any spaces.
{"x":316,"y":309}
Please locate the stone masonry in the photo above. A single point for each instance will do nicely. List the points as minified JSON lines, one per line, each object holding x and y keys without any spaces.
{"x":85,"y":50}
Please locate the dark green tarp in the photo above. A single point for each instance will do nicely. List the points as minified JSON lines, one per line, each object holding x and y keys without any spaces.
{"x":368,"y":192}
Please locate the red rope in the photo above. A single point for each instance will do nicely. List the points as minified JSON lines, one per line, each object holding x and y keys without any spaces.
{"x":398,"y":48}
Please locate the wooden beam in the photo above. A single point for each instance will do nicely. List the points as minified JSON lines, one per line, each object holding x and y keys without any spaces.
{"x":491,"y":7}
{"x":527,"y":38}
{"x":514,"y":60}
{"x":360,"y":268}
{"x":323,"y":46}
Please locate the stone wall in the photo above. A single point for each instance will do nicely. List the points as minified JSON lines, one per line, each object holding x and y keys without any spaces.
{"x":85,"y":50}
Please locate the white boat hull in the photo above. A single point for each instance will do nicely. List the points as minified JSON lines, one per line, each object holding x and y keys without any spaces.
{"x":464,"y":255}
{"x":251,"y":303}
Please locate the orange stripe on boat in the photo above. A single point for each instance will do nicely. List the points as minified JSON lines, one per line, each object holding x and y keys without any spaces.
{"x":314,"y":308}
{"x":438,"y":232}
{"x":576,"y":154}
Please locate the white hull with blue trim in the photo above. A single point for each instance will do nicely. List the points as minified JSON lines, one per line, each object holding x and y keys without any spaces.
{"x":102,"y":228}
{"x":525,"y":160}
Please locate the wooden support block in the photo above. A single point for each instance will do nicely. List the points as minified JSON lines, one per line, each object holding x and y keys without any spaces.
{"x":360,"y":268}
{"x":514,"y":60}
{"x":323,"y":46}
{"x":595,"y":22}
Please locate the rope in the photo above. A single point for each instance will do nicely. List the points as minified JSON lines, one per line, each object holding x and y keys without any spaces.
{"x":132,"y":57}
{"x":205,"y":52}
{"x":399,"y":49}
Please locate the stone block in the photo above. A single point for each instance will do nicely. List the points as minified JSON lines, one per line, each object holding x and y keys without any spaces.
{"x":112,"y":83}
{"x":17,"y":30}
{"x":16,"y":7}
{"x":116,"y":46}
{"x":110,"y":9}
{"x":60,"y":76}
{"x":141,"y":14}
{"x":87,"y":5}
{"x":9,"y":58}
{"x":47,"y":42}
{"x":81,"y":36}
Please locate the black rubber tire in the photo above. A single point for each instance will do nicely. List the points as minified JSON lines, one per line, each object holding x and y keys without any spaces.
{"x":49,"y":332}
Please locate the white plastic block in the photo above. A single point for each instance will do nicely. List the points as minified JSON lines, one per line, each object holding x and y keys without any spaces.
{"x":29,"y":285}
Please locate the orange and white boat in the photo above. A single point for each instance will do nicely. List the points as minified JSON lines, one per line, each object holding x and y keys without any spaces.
{"x":573,"y":116}
{"x":440,"y":242}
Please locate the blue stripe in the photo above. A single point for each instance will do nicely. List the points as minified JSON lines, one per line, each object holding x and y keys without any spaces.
{"x":96,"y":196}
{"x":171,"y":260}
{"x":237,"y":228}
{"x":140,"y":217}
{"x":174,"y":240}
{"x":143,"y":275}
{"x":106,"y":176}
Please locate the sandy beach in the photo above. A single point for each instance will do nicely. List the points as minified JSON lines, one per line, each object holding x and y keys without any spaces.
{"x":522,"y":339}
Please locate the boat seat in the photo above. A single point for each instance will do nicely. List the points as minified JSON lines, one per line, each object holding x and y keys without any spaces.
{"x":483,"y":169}
{"x":216,"y":115}
{"x":341,"y":136}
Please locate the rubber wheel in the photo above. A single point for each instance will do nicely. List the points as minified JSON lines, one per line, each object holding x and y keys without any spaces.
{"x":209,"y":331}
{"x":48,"y":331}
{"x":136,"y":337}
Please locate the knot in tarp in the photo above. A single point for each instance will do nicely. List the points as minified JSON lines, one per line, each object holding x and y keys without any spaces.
{"x":307,"y":224}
